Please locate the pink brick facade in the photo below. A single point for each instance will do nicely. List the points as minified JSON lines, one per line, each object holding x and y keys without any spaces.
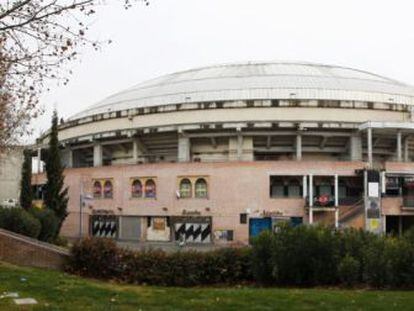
{"x":233,"y":189}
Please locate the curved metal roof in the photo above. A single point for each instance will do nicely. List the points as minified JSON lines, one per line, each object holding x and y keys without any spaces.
{"x":257,"y":80}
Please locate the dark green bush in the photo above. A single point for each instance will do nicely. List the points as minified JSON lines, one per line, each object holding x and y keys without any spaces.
{"x":60,"y":241}
{"x":49,"y":223}
{"x":349,"y":271}
{"x":263,"y":268}
{"x":304,"y":256}
{"x":98,"y":258}
{"x":101,"y":258}
{"x":399,"y":255}
{"x":19,"y":221}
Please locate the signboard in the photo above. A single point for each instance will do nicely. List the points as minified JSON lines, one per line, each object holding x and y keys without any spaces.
{"x":373,"y":202}
{"x":158,"y":223}
{"x":373,"y":189}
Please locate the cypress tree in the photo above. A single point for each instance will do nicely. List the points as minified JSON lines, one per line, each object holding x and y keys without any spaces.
{"x":56,"y":196}
{"x":26,"y":193}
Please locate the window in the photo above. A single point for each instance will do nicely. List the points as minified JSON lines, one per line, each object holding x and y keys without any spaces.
{"x":285,"y":186}
{"x":185,"y":188}
{"x":97,"y":189}
{"x":294,"y":188}
{"x":277,"y":188}
{"x":201,"y":188}
{"x":136,"y":190}
{"x":150,"y":189}
{"x":243,"y":218}
{"x":108,"y":190}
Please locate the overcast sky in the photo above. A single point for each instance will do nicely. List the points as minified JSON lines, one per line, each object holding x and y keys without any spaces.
{"x":173,"y":35}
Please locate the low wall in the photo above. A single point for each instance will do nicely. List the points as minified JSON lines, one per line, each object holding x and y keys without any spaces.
{"x":21,"y":250}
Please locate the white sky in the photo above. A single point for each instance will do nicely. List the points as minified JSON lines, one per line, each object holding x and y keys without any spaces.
{"x":173,"y":35}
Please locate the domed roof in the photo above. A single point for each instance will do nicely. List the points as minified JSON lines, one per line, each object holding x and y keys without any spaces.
{"x":257,"y":80}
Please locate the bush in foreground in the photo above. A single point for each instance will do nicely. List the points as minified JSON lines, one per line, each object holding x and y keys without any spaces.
{"x":48,"y":221}
{"x":19,"y":221}
{"x":101,"y":258}
{"x":301,"y":256}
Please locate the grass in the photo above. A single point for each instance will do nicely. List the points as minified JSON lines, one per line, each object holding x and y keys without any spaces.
{"x":59,"y":291}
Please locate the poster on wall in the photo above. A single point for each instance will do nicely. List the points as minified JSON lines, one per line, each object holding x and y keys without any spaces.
{"x":373,"y":202}
{"x":158,"y":223}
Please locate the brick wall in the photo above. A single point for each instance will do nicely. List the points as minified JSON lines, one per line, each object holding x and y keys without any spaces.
{"x":24,"y":251}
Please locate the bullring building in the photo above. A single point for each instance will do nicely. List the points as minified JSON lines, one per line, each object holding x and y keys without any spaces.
{"x":220,"y":153}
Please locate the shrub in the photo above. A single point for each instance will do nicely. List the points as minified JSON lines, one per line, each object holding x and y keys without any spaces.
{"x":96,"y":258}
{"x":100,"y":258}
{"x":375,"y":270}
{"x":263,"y":268}
{"x":19,"y":221}
{"x":48,"y":221}
{"x":305,"y":255}
{"x":61,"y":241}
{"x":399,"y":255}
{"x":349,"y":271}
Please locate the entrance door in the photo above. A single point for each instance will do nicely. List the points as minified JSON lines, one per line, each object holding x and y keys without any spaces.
{"x":257,"y":225}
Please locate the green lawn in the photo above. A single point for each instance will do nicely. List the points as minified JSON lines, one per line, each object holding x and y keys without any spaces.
{"x":59,"y":291}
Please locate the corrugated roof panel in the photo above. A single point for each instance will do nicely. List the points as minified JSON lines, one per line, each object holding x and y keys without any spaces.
{"x":275,"y":80}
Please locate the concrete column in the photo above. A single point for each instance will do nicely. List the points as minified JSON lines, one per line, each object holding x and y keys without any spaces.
{"x":69,"y":159}
{"x":298,"y":147}
{"x":383,"y":182}
{"x":39,"y":160}
{"x":97,"y":154}
{"x":184,"y":149}
{"x":135,"y":151}
{"x":369,"y":146}
{"x":406,"y":150}
{"x":336,"y":191}
{"x":239,"y":147}
{"x":305,"y":187}
{"x":337,"y":218}
{"x":311,"y":199}
{"x":399,"y":146}
{"x":355,"y":147}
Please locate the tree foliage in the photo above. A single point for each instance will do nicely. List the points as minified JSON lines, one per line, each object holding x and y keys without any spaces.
{"x":56,"y":197}
{"x":26,"y":193}
{"x":37,"y":39}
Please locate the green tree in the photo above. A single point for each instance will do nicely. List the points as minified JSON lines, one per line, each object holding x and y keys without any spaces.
{"x":26,"y":193}
{"x":56,"y":197}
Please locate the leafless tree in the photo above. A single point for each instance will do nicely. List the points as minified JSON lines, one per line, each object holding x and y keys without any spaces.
{"x":37,"y":39}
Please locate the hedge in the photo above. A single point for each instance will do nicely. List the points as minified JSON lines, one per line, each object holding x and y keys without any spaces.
{"x":315,"y":255}
{"x":19,"y":221}
{"x":301,"y":256}
{"x":102,"y":259}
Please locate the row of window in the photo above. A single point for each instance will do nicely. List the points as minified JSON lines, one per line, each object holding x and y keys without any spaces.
{"x":200,"y":190}
{"x":145,"y":187}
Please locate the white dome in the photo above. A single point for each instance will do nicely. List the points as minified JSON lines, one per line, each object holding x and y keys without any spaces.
{"x":257,"y":80}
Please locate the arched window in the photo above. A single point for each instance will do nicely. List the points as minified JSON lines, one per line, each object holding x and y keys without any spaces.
{"x":201,"y":188}
{"x":150,"y":189}
{"x":97,"y":189}
{"x":108,"y":190}
{"x":185,"y":188}
{"x":136,"y":190}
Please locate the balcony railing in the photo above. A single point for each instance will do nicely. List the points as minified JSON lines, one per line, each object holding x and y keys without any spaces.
{"x":329,"y":201}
